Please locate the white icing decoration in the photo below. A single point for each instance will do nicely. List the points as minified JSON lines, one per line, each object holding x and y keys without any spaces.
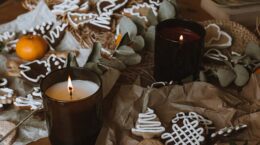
{"x":227,"y":130}
{"x":191,"y":116}
{"x":39,"y":29}
{"x":7,"y":36}
{"x":6,"y":95}
{"x":109,"y":8}
{"x":55,"y":34}
{"x":132,"y":9}
{"x":85,"y":18}
{"x":3,"y":82}
{"x":28,"y":101}
{"x":189,"y":133}
{"x":53,"y":58}
{"x":84,"y":6}
{"x":25,"y":68}
{"x":147,"y":125}
{"x":65,"y":6}
{"x":156,"y":2}
{"x":37,"y":92}
{"x":102,"y":21}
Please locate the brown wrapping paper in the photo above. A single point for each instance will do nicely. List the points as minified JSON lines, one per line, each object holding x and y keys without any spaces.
{"x":223,"y":108}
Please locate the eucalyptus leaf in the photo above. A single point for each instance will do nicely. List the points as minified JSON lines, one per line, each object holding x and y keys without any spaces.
{"x":94,"y":67}
{"x":150,"y":37}
{"x":140,"y":24}
{"x":152,"y":19}
{"x":225,"y":76}
{"x":125,"y":50}
{"x":72,"y":61}
{"x":114,"y":63}
{"x":166,"y":11}
{"x":96,"y":53}
{"x":138,"y":43}
{"x":126,"y":25}
{"x":242,"y":75}
{"x":253,"y":50}
{"x":131,"y":59}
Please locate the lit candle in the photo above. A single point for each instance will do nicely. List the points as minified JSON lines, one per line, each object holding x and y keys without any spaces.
{"x":72,"y":90}
{"x":178,"y":49}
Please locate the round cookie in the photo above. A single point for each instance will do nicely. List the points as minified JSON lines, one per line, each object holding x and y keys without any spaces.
{"x":150,"y":142}
{"x":187,"y":129}
{"x":5,"y":127}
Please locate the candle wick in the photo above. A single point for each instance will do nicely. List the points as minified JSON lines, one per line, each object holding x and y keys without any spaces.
{"x":70,"y":89}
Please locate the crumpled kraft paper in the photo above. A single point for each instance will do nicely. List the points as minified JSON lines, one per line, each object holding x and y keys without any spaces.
{"x":200,"y":97}
{"x":34,"y":128}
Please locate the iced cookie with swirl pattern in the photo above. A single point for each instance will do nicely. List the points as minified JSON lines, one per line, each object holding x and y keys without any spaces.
{"x":55,"y":36}
{"x":148,"y":125}
{"x":35,"y":70}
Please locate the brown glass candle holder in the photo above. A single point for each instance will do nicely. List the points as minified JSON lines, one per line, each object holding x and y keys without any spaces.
{"x":178,"y":50}
{"x":72,"y":122}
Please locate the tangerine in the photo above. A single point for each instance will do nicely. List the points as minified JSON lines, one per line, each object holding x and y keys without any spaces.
{"x":31,"y":47}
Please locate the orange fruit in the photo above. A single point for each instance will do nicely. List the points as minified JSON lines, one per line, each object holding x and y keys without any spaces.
{"x":31,"y":47}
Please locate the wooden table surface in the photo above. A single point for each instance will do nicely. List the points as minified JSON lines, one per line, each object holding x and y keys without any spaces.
{"x":188,"y":9}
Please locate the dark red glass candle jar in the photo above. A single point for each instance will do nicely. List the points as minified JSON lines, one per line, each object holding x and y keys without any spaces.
{"x":72,"y":122}
{"x":178,"y":50}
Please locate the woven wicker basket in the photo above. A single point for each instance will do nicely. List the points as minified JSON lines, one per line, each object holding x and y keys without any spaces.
{"x":240,"y":34}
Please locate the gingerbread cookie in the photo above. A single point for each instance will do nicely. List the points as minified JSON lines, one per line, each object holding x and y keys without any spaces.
{"x":28,"y":103}
{"x":55,"y":62}
{"x":140,"y":10}
{"x":5,"y":127}
{"x":79,"y":19}
{"x":55,"y":36}
{"x":150,"y":142}
{"x":227,"y":131}
{"x":188,"y":128}
{"x":65,"y":7}
{"x":148,"y":125}
{"x":212,"y":33}
{"x":35,"y":70}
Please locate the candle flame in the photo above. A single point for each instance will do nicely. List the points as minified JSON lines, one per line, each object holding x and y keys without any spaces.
{"x":181,"y":38}
{"x":70,"y":86}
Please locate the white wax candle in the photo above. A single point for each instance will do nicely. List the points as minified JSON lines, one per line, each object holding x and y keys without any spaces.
{"x":81,"y":89}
